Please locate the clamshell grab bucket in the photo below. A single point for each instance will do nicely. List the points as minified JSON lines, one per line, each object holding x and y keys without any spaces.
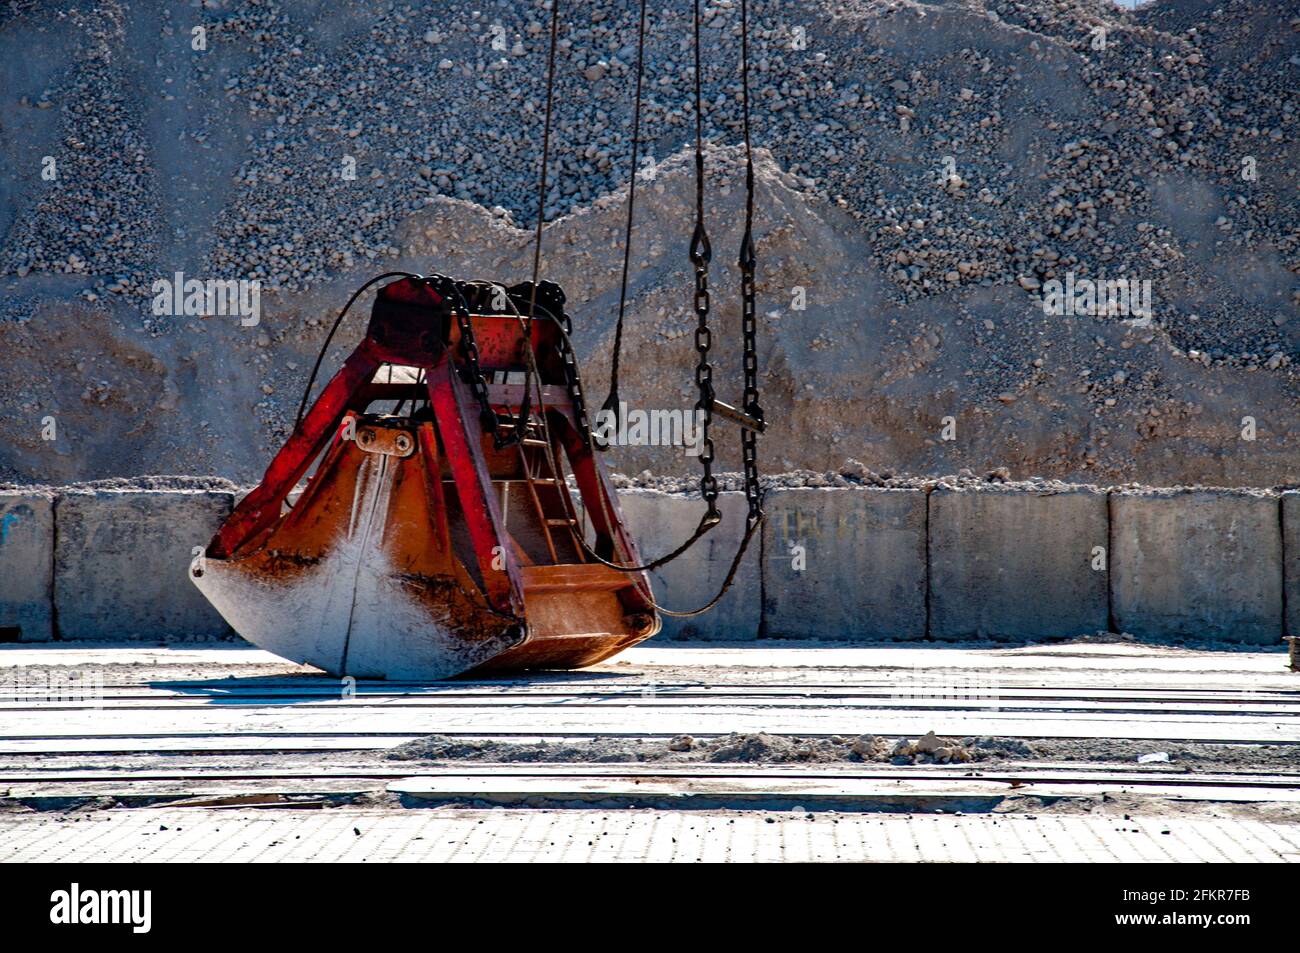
{"x":422,"y":547}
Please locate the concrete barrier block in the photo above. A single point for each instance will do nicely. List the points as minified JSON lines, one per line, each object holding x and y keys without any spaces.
{"x":121,"y":563}
{"x":26,"y":567}
{"x":1017,"y":562}
{"x":844,"y":564}
{"x":1197,"y":563}
{"x":1291,"y":560}
{"x":661,"y":521}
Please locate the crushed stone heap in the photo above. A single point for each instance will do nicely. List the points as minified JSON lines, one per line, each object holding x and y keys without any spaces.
{"x":928,"y":171}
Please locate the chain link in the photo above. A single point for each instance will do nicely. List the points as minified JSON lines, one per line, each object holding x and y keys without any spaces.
{"x":471,"y":372}
{"x":749,"y":330}
{"x":748,"y":318}
{"x":701,"y":254}
{"x":573,"y":380}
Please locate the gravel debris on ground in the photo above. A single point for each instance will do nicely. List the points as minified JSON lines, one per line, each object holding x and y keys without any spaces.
{"x":768,"y":748}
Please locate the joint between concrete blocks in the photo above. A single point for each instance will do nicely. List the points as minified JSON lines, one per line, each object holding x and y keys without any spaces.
{"x":876,"y":563}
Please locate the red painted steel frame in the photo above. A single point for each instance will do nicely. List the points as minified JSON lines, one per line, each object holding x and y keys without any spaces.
{"x":261,"y":508}
{"x":453,"y":412}
{"x":404,"y":339}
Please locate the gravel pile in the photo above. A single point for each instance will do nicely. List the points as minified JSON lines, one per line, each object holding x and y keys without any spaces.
{"x":98,"y":217}
{"x":930,"y":167}
{"x":142,"y":484}
{"x":876,"y":106}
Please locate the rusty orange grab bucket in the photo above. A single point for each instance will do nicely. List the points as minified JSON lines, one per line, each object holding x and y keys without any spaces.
{"x":446,"y":538}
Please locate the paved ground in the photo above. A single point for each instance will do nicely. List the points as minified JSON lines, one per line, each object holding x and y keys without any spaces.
{"x":227,"y":753}
{"x":345,"y":834}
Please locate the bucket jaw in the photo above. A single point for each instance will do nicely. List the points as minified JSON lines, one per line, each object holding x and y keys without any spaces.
{"x":419,"y":549}
{"x":355,"y":579}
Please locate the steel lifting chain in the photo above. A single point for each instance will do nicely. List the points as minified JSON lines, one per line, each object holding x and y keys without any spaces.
{"x":748,"y":317}
{"x":471,"y":373}
{"x":701,"y":255}
{"x":521,"y":422}
{"x":573,"y":379}
{"x":749,"y":329}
